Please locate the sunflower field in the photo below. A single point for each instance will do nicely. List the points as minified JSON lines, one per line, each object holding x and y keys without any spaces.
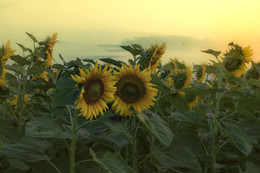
{"x":137,"y":116}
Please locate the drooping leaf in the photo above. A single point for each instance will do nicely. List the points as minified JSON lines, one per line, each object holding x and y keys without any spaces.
{"x":180,"y":153}
{"x":20,"y":60}
{"x":23,"y":152}
{"x":15,"y":68}
{"x":110,"y":163}
{"x":44,"y":127}
{"x":37,"y":68}
{"x":240,"y":140}
{"x":157,"y":126}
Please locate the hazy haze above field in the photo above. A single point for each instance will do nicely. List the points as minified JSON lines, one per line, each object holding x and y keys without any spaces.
{"x":97,"y":28}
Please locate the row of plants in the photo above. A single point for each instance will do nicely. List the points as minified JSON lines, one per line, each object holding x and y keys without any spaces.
{"x":136,"y":116}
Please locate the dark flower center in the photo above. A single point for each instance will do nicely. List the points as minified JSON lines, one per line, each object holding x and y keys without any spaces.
{"x":179,"y":80}
{"x":130,"y":89}
{"x":233,"y":63}
{"x":94,"y":89}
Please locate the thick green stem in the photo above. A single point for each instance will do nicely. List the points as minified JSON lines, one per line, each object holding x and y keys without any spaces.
{"x":214,"y":121}
{"x":134,"y":161}
{"x":73,"y":119}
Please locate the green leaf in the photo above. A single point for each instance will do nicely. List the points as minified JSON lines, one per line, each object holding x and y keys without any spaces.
{"x":20,"y":60}
{"x":118,"y":127}
{"x":8,"y":130}
{"x":158,"y":127}
{"x":44,"y":127}
{"x":180,"y":154}
{"x":28,"y":153}
{"x":110,"y":163}
{"x":22,"y":47}
{"x":18,"y":164}
{"x":66,"y":93}
{"x":240,"y":140}
{"x":212,"y":52}
{"x":12,"y":82}
{"x":37,"y":68}
{"x":176,"y":101}
{"x":134,"y":49}
{"x":90,"y":61}
{"x":32,"y":37}
{"x":75,"y":63}
{"x":15,"y":67}
{"x":188,"y":117}
{"x":113,"y":141}
{"x":112,"y":61}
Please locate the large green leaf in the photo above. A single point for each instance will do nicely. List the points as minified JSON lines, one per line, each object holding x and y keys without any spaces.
{"x":66,"y":93}
{"x":110,"y":163}
{"x":8,"y":130}
{"x":240,"y":140}
{"x":113,"y":141}
{"x":157,"y":126}
{"x":15,"y":67}
{"x":188,"y":117}
{"x":180,"y":154}
{"x":37,"y":68}
{"x":45,"y":127}
{"x":26,"y":149}
{"x":20,"y":60}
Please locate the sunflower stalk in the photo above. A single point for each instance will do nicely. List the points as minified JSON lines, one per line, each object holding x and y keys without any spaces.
{"x":73,"y":121}
{"x":214,"y":122}
{"x":135,"y":128}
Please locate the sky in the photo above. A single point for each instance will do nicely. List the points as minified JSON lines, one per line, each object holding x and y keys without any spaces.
{"x":95,"y":29}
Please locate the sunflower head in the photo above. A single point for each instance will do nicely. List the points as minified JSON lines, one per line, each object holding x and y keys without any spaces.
{"x":199,"y":71}
{"x":50,"y":43}
{"x":155,"y":52}
{"x":236,"y":59}
{"x":182,"y":78}
{"x":98,"y":88}
{"x":5,"y":53}
{"x":134,"y":90}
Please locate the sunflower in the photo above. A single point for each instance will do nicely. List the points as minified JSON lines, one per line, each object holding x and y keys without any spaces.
{"x":235,"y":63}
{"x":98,"y":88}
{"x":49,"y":52}
{"x":15,"y":100}
{"x":192,"y":100}
{"x":200,"y":72}
{"x":182,"y":79}
{"x":133,"y":90}
{"x":172,"y":63}
{"x":157,"y":53}
{"x":5,"y":53}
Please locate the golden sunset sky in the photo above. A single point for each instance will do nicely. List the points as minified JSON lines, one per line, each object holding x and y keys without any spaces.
{"x":96,"y":28}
